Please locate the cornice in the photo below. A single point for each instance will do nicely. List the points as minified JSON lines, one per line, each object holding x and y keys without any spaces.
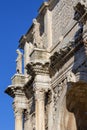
{"x":58,"y":59}
{"x":37,"y":68}
{"x":15,"y":90}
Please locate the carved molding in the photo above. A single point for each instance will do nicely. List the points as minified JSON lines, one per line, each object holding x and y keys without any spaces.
{"x":58,"y":59}
{"x":15,"y":90}
{"x":37,"y":68}
{"x":58,"y":96}
{"x":58,"y":90}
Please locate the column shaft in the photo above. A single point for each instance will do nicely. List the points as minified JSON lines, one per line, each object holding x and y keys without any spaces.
{"x":40,"y":112}
{"x":18,"y":120}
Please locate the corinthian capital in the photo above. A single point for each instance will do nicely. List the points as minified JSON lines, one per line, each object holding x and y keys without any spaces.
{"x":40,"y":94}
{"x":18,"y":112}
{"x":37,"y":68}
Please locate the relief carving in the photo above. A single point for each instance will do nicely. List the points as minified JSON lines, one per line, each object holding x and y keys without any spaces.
{"x":71,"y":77}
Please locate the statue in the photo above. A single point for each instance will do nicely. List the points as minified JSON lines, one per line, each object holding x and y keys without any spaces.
{"x":84,"y":2}
{"x":71,"y":77}
{"x":36,"y":34}
{"x":19,"y":62}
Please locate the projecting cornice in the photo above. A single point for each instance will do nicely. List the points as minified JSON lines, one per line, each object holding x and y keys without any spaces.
{"x":18,"y":81}
{"x":15,"y":90}
{"x":37,"y":68}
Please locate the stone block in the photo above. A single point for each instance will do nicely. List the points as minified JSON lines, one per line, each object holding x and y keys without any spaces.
{"x":39,"y":55}
{"x":18,"y":79}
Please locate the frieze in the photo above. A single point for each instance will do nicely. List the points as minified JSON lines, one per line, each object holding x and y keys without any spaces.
{"x":58,"y":59}
{"x":59,"y":93}
{"x":58,"y":90}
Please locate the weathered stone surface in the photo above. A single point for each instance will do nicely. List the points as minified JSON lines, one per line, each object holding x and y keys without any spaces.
{"x":52,"y":92}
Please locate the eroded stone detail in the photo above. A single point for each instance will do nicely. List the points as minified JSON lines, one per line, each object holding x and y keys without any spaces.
{"x":37,"y":41}
{"x":51,"y":93}
{"x":71,"y":77}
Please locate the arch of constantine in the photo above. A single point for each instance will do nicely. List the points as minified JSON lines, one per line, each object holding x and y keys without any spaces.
{"x":49,"y":88}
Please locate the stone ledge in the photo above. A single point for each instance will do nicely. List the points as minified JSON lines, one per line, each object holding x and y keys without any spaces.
{"x":18,"y":79}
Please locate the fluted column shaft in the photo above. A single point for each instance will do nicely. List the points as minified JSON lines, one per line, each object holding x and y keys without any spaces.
{"x":39,"y":109}
{"x":19,"y":120}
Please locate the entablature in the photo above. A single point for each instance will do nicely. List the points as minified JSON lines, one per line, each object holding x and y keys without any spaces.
{"x":58,"y":59}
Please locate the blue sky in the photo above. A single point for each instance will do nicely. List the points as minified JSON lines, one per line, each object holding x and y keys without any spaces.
{"x":15,"y":19}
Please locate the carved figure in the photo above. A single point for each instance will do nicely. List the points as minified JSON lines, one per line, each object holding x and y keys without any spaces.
{"x":19,"y":61}
{"x":71,"y":77}
{"x":36,"y":34}
{"x":84,"y":2}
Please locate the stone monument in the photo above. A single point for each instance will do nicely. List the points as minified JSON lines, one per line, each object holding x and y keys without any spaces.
{"x":51,"y":94}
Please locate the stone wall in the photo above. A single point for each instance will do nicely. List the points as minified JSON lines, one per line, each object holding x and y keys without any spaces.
{"x":62,"y":15}
{"x":56,"y":69}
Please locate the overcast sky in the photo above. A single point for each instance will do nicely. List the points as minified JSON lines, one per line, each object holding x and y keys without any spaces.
{"x":15,"y":19}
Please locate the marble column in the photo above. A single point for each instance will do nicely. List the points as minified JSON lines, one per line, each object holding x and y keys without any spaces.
{"x":18,"y":119}
{"x":39,"y":109}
